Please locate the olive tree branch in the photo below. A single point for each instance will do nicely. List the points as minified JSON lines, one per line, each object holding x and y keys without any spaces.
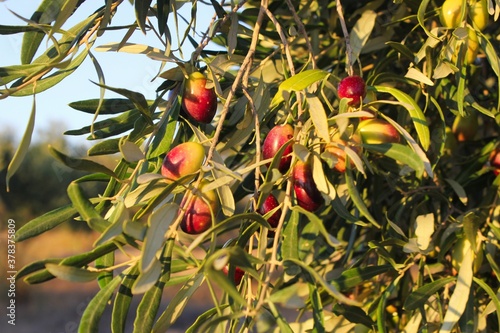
{"x":350,"y":70}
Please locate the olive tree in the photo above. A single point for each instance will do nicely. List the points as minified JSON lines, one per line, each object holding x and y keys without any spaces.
{"x":340,"y":173}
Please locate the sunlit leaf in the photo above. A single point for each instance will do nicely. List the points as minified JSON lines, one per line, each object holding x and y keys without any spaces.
{"x":420,"y":296}
{"x":70,"y":273}
{"x":458,"y":299}
{"x":22,"y":150}
{"x":298,"y":82}
{"x":45,"y":222}
{"x":95,"y":309}
{"x":417,"y":116}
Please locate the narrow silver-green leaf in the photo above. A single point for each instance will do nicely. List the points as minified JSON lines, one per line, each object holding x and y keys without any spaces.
{"x":158,"y":223}
{"x":122,"y":301}
{"x":318,"y":117}
{"x":416,"y":114}
{"x":298,"y":82}
{"x":22,"y":150}
{"x":329,"y":288}
{"x":85,"y":208}
{"x":93,"y":313}
{"x":80,"y":163}
{"x":10,"y":73}
{"x":45,"y":222}
{"x":353,"y":277}
{"x":400,"y":153}
{"x":458,"y":299}
{"x":148,"y":307}
{"x":71,"y":273}
{"x":65,"y":12}
{"x":361,"y":32}
{"x":420,"y":296}
{"x":148,"y":279}
{"x":137,"y":98}
{"x":357,"y":199}
{"x":178,"y":303}
{"x":33,"y":39}
{"x":141,"y":13}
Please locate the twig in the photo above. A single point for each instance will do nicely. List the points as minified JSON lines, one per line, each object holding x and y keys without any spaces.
{"x":350,"y":70}
{"x":302,"y":31}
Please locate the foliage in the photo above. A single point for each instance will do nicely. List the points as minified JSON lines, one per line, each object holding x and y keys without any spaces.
{"x":407,"y":237}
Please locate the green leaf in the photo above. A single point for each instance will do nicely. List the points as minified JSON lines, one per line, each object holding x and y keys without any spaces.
{"x":361,"y":32}
{"x":65,"y":12}
{"x":353,"y":277}
{"x":70,"y":273}
{"x":458,"y":189}
{"x":357,"y":199}
{"x":458,"y":299}
{"x":164,"y":137}
{"x":224,"y":283}
{"x":290,"y":243}
{"x":158,"y":224}
{"x":10,"y":73}
{"x":162,"y":8}
{"x":108,"y":106}
{"x":51,"y":80}
{"x":37,"y":272}
{"x":420,"y":296}
{"x":147,"y":279}
{"x":421,"y":14}
{"x":381,"y":307}
{"x":400,"y":153}
{"x":318,"y":117}
{"x":319,"y":223}
{"x":102,"y":263}
{"x":317,"y":309}
{"x":80,"y":164}
{"x":416,"y":114}
{"x":136,"y":98}
{"x":329,"y":288}
{"x":45,"y":222}
{"x":141,"y":13}
{"x":89,"y":322}
{"x":148,"y":307}
{"x":44,"y":14}
{"x":86,"y":209}
{"x":402,"y":49}
{"x":298,"y":82}
{"x":22,"y":150}
{"x":109,"y":127}
{"x":106,"y":147}
{"x":204,"y":318}
{"x":123,"y":299}
{"x":178,"y":303}
{"x":354,"y":314}
{"x":14,"y":29}
{"x":494,"y":297}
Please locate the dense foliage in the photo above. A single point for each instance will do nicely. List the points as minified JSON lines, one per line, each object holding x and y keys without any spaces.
{"x":386,"y":210}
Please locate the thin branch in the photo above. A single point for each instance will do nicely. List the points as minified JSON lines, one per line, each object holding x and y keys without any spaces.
{"x":302,"y":31}
{"x":350,"y":70}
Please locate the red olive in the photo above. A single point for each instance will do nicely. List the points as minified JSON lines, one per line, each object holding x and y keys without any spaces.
{"x":198,"y":215}
{"x":352,"y":87}
{"x":275,"y":139}
{"x":238,"y":274}
{"x":269,"y":204}
{"x":306,"y":192}
{"x":199,"y":102}
{"x":184,"y":159}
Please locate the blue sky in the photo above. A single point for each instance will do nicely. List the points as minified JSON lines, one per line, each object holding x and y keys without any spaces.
{"x":53,"y":114}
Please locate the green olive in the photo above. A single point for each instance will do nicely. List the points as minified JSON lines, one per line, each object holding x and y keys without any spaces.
{"x":479,"y":14}
{"x":450,"y":13}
